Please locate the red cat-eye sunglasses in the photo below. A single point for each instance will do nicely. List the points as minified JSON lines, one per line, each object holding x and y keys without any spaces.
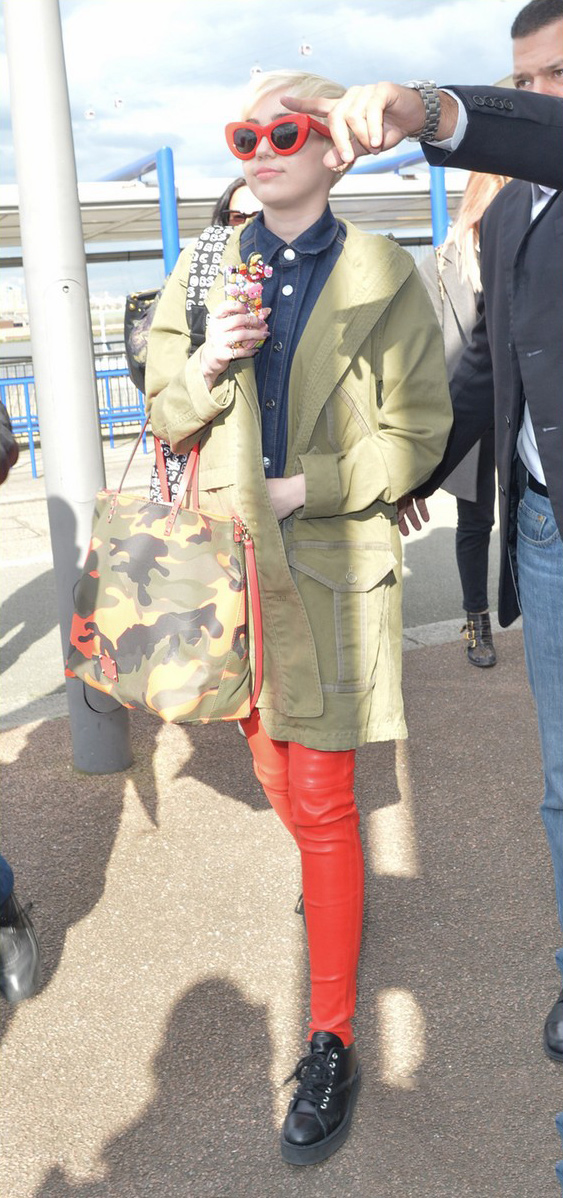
{"x":286,"y":134}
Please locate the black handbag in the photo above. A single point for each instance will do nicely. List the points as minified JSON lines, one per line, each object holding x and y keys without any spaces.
{"x":140,"y":308}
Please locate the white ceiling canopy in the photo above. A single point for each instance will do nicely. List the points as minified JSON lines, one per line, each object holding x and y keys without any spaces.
{"x":128,"y":212}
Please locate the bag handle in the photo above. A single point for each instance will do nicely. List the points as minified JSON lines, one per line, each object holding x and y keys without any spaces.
{"x":161,"y":471}
{"x":191,"y":465}
{"x":190,"y":474}
{"x":132,"y":454}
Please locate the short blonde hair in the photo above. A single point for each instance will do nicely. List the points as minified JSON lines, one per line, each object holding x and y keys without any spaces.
{"x":295,"y":83}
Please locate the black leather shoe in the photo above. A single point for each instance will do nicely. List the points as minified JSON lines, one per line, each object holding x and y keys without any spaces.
{"x":480,"y":648}
{"x":320,"y":1112}
{"x":553,"y":1031}
{"x":20,"y":959}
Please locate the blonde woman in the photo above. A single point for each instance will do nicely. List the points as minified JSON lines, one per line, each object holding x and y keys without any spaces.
{"x":312,"y":439}
{"x":453,"y":280}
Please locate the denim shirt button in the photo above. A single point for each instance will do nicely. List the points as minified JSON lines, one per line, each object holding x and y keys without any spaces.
{"x":270,"y":403}
{"x":287,"y":290}
{"x":278,"y":345}
{"x":267,"y":462}
{"x":289,"y":254}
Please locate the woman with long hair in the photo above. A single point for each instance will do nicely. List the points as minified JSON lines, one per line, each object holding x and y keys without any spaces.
{"x":451,"y":274}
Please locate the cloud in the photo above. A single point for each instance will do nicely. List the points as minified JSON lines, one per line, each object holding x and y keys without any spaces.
{"x":180,"y":68}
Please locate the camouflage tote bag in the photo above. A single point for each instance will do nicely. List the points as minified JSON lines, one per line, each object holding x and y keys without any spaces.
{"x":167,"y":609}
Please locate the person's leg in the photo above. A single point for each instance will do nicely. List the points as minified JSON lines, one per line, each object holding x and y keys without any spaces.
{"x":270,"y":760}
{"x":321,"y":790}
{"x":326,"y":822}
{"x":6,"y":880}
{"x":540,"y":586}
{"x":473,"y":533}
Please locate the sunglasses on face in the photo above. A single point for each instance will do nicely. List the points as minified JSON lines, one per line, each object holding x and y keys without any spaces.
{"x":286,"y":135}
{"x":233,"y":217}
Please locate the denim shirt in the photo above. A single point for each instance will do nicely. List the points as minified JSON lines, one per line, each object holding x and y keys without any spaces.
{"x":300,"y":271}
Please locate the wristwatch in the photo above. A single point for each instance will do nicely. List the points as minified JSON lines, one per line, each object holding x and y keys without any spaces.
{"x":431,"y":99}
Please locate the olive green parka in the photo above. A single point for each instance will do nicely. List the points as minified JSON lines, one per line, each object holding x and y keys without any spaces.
{"x":368,"y":419}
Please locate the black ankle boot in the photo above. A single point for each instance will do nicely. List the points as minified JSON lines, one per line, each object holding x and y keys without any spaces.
{"x":480,"y":648}
{"x":20,"y":959}
{"x":320,"y":1112}
{"x":553,"y":1031}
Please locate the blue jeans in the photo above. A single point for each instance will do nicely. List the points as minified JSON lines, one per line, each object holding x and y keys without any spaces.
{"x":540,"y":586}
{"x":6,"y":880}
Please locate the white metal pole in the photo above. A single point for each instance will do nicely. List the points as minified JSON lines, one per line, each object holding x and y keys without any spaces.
{"x":63,"y":357}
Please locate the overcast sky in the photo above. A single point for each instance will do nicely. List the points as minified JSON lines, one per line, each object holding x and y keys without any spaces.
{"x":172,"y":72}
{"x":159,"y":72}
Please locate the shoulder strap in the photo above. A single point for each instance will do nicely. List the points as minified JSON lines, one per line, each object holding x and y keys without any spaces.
{"x":204,"y":267}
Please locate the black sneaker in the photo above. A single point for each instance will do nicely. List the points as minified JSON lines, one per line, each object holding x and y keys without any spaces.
{"x":320,"y":1113}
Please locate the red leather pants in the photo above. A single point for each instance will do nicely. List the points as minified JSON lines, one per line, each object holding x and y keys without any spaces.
{"x":313,"y":794}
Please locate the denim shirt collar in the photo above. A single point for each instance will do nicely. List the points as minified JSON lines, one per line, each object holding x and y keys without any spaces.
{"x":317,"y":238}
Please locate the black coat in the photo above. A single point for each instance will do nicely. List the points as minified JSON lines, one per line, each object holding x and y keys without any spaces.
{"x":517,"y":349}
{"x":509,"y":132}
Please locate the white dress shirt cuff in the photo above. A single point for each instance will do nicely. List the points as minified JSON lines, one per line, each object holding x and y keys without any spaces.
{"x":452,"y":143}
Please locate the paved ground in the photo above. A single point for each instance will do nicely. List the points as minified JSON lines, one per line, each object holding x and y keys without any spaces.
{"x":174,"y":1004}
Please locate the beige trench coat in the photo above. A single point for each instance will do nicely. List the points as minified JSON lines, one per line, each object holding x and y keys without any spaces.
{"x":368,"y":420}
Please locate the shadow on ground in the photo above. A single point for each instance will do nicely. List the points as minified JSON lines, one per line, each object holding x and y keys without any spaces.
{"x":469,"y":941}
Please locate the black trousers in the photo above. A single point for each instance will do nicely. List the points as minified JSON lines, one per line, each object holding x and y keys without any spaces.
{"x":473,"y":534}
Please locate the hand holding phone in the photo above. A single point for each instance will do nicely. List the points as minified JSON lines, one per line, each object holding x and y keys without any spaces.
{"x":244,"y":283}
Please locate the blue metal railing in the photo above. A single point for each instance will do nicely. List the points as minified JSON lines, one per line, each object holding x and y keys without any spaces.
{"x":129,"y":408}
{"x":438,"y":194}
{"x":163,"y":162}
{"x":26,"y":421}
{"x":119,"y":404}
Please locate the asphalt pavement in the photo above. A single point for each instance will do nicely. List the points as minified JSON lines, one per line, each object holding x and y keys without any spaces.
{"x":174,"y":999}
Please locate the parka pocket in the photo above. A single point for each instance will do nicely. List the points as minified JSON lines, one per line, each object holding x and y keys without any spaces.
{"x":345,"y":590}
{"x":212,"y":478}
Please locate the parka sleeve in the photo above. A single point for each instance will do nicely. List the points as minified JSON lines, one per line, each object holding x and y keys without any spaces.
{"x":413,"y":420}
{"x":178,"y":400}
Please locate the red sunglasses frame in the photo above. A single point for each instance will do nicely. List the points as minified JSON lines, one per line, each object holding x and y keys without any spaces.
{"x":302,"y":120}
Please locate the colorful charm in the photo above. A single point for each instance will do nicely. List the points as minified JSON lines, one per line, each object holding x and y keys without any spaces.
{"x":244,"y":283}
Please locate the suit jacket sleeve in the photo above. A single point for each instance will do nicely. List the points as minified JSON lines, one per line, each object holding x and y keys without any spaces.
{"x":509,"y":132}
{"x":472,"y":395}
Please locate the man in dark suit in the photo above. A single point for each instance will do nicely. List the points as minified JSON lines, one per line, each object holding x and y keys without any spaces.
{"x":512,"y":372}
